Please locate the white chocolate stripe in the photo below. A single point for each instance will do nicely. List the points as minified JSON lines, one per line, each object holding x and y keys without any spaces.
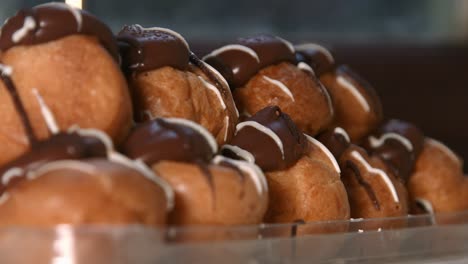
{"x":280,"y":85}
{"x":444,"y":149}
{"x":353,"y":90}
{"x":76,"y":13}
{"x":6,"y":70}
{"x":342,"y":132}
{"x":4,"y":198}
{"x":379,"y":172}
{"x":170,"y":32}
{"x":267,"y":131}
{"x":247,"y":156}
{"x":305,"y":67}
{"x":288,"y":44}
{"x":218,"y":75}
{"x":377,"y":142}
{"x":215,"y":90}
{"x":89,"y":132}
{"x":207,"y":135}
{"x":10,"y":174}
{"x":426,"y":204}
{"x":238,"y":47}
{"x":29,"y":24}
{"x":313,"y":46}
{"x":251,"y":169}
{"x":325,"y":151}
{"x":226,"y":127}
{"x":46,"y":113}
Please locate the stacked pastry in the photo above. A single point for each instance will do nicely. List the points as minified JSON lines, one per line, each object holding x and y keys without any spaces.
{"x":312,"y":144}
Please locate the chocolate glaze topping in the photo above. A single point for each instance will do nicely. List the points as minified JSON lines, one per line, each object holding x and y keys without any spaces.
{"x":317,"y":57}
{"x":268,"y":154}
{"x":336,"y":142}
{"x":239,"y":62}
{"x":53,"y":21}
{"x":400,"y":153}
{"x":145,"y":49}
{"x":159,"y":140}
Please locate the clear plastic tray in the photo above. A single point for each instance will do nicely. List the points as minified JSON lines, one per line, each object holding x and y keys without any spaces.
{"x":415,"y":239}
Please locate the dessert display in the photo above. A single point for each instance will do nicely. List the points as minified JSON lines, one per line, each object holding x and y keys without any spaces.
{"x":258,"y":132}
{"x":356,"y":105}
{"x":209,"y":189}
{"x":76,"y":177}
{"x":303,"y":177}
{"x":262,"y":71}
{"x":71,"y":58}
{"x":167,"y":80}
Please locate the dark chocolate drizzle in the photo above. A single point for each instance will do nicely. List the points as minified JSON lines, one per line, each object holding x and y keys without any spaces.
{"x":238,"y":66}
{"x":266,"y":152}
{"x":335,"y":142}
{"x":398,"y":158}
{"x":53,"y":21}
{"x":316,"y":59}
{"x":145,"y":49}
{"x":11,"y":88}
{"x":367,"y":187}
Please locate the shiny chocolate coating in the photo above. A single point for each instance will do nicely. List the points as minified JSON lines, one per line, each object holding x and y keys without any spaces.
{"x":268,"y":155}
{"x":393,"y":151}
{"x":238,"y":66}
{"x":159,"y":140}
{"x":335,"y":142}
{"x":62,"y":146}
{"x":316,"y":58}
{"x":53,"y":21}
{"x":145,"y":49}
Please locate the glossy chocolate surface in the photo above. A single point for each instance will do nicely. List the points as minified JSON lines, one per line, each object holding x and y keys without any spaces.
{"x":393,"y":151}
{"x":53,"y":21}
{"x":145,"y":49}
{"x":335,"y":142}
{"x":316,"y":58}
{"x":268,"y":154}
{"x":159,"y":140}
{"x":238,"y":66}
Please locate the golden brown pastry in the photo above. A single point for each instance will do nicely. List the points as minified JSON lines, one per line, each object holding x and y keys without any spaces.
{"x":71,"y":59}
{"x":303,"y":176}
{"x":437,"y":184}
{"x":262,"y":71}
{"x":208,"y":190}
{"x":357,"y":107}
{"x":374,"y":191}
{"x":168,"y":80}
{"x":76,"y":178}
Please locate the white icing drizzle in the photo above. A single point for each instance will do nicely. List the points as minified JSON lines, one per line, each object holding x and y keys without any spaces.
{"x":353,"y":90}
{"x":207,"y":135}
{"x":226,"y":125}
{"x":64,"y":245}
{"x":439,"y":145}
{"x":103,"y":137}
{"x":288,"y":44}
{"x":379,"y":172}
{"x":215,"y":90}
{"x":251,"y":169}
{"x":6,"y":70}
{"x":267,"y":131}
{"x":4,"y":198}
{"x":280,"y":85}
{"x":46,"y":113}
{"x":426,"y":204}
{"x":10,"y":174}
{"x":61,"y":164}
{"x":78,"y":18}
{"x":218,"y":75}
{"x":305,"y":67}
{"x":308,"y":46}
{"x":240,"y":152}
{"x":29,"y":24}
{"x":342,"y":132}
{"x":168,"y":31}
{"x":238,"y":47}
{"x":326,"y":151}
{"x":147,"y":173}
{"x":377,"y":142}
